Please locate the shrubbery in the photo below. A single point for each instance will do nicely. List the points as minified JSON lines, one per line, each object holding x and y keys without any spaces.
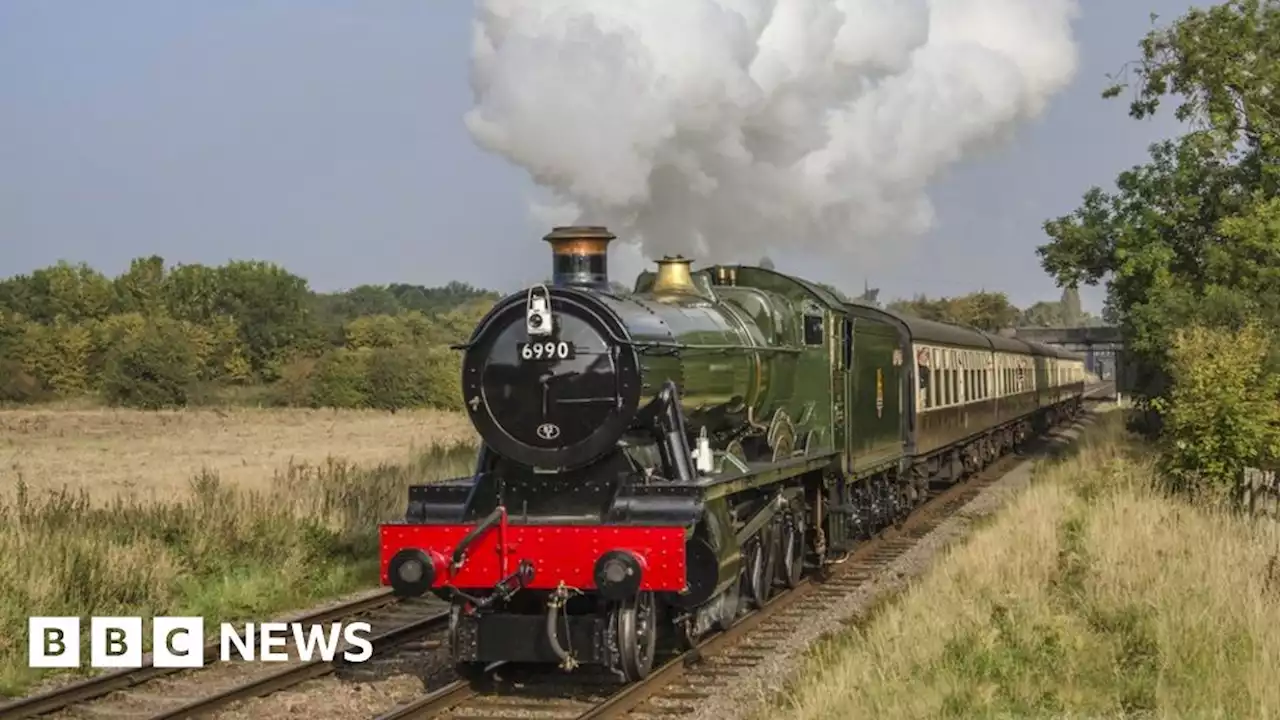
{"x":155,"y":367}
{"x":341,"y":379}
{"x":160,"y":338}
{"x":384,"y":378}
{"x":1188,"y":243}
{"x":1222,"y":413}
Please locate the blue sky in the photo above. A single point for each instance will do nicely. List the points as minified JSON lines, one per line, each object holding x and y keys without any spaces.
{"x":328,"y":136}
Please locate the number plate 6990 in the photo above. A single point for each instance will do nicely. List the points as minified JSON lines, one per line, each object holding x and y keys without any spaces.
{"x":546,"y":351}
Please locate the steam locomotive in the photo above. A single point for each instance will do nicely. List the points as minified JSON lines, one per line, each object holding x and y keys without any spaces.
{"x":655,"y":463}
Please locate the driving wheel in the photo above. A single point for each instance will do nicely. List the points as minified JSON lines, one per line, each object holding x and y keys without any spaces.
{"x":793,"y":550}
{"x":728,"y":604}
{"x":636,"y":621}
{"x":761,"y":566}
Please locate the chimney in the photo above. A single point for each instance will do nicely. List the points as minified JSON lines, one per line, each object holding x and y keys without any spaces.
{"x":579,"y":256}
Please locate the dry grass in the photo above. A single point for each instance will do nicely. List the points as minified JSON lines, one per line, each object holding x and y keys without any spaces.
{"x":233,"y":515}
{"x":1093,"y":595}
{"x":153,"y":454}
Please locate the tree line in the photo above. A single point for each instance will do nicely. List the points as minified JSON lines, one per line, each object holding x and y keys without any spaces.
{"x":252,"y":332}
{"x":987,"y":311}
{"x":1188,"y":243}
{"x":992,"y":311}
{"x":246,"y":331}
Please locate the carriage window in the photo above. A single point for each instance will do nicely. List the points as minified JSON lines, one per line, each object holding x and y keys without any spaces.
{"x":944,"y":389}
{"x":922,"y":372}
{"x":812,"y":329}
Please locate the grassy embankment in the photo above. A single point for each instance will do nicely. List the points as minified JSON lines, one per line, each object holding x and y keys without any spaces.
{"x":228,"y":515}
{"x":1093,"y":595}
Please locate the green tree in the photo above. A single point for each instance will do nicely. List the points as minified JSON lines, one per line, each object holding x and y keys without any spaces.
{"x":1072,"y":314}
{"x":193,"y":292}
{"x":341,"y":379}
{"x":73,"y":292}
{"x":922,"y":307}
{"x":379,"y":331}
{"x":439,"y":299}
{"x":271,"y":306}
{"x":983,"y":310}
{"x":989,"y":311}
{"x":156,"y":367}
{"x":1047,"y":314}
{"x":17,"y":295}
{"x":141,"y":287}
{"x":1221,"y":416}
{"x":1193,"y":236}
{"x":68,"y":330}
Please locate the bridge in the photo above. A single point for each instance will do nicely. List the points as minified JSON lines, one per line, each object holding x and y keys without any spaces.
{"x":1102,"y":347}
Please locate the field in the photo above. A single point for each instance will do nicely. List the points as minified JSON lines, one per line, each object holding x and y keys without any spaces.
{"x":228,"y":514}
{"x":155,"y":454}
{"x":1093,"y":595}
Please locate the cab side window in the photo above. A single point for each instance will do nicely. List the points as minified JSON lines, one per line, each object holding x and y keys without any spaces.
{"x":813,"y":330}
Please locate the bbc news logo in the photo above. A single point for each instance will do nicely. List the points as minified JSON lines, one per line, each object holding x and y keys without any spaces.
{"x":179,"y":642}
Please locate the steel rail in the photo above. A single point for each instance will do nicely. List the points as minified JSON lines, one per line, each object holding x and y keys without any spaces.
{"x":863,"y":562}
{"x":302,"y":672}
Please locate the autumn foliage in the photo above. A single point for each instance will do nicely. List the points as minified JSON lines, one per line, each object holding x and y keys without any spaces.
{"x":163,"y":337}
{"x":1188,"y":244}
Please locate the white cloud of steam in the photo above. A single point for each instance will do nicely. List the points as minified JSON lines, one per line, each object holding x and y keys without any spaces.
{"x":733,"y":128}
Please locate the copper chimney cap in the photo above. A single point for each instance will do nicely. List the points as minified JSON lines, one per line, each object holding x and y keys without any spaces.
{"x":579,"y":255}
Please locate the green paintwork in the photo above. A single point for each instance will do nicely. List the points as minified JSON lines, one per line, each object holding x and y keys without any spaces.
{"x":874,"y":392}
{"x":765,"y":474}
{"x":739,"y":356}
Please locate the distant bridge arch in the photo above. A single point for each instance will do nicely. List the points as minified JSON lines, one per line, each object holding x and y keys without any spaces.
{"x":1103,"y":349}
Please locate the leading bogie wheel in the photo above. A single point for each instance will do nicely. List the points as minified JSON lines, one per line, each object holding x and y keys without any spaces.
{"x":636,"y":621}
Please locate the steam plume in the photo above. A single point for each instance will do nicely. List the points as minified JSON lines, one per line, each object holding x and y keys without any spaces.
{"x":736,"y":127}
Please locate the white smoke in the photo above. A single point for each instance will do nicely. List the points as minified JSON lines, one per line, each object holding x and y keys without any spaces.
{"x":730,"y":128}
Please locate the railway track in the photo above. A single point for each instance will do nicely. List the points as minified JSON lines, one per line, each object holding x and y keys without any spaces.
{"x":199,"y":692}
{"x":677,"y":686}
{"x":674,"y":688}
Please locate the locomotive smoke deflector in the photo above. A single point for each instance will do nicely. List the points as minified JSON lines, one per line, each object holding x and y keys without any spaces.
{"x":579,"y":256}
